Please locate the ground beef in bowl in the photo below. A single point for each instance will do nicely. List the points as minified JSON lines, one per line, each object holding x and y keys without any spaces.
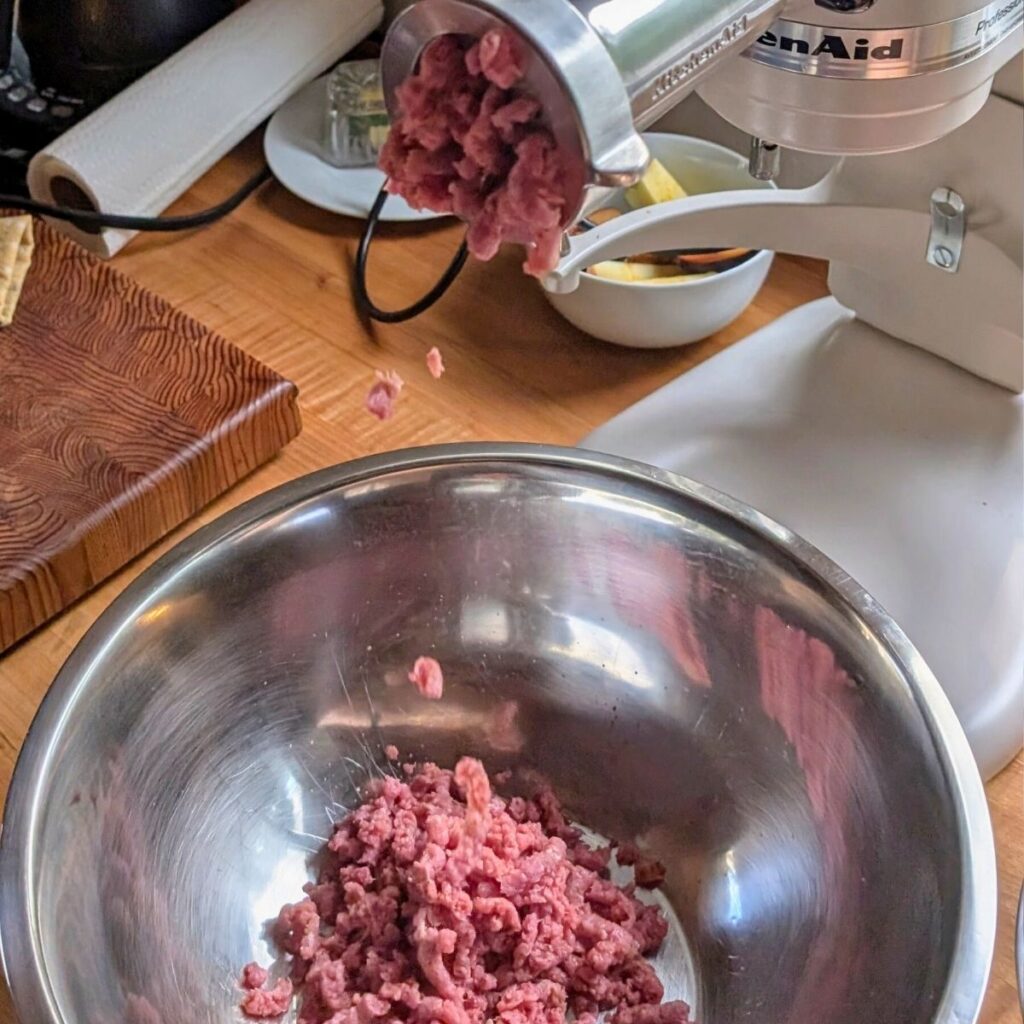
{"x":439,"y":901}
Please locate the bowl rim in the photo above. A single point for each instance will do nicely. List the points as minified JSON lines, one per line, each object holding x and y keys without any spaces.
{"x":1019,"y":949}
{"x":20,"y":957}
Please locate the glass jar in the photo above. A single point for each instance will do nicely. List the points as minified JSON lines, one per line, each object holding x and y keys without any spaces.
{"x":355,"y":117}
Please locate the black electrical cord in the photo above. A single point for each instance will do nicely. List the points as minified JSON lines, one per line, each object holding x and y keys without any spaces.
{"x":98,"y":219}
{"x":363,"y":301}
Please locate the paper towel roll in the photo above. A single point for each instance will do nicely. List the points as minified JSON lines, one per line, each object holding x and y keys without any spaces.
{"x":142,"y":149}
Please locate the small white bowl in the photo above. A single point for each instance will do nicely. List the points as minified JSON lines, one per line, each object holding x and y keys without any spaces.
{"x":680,"y":313}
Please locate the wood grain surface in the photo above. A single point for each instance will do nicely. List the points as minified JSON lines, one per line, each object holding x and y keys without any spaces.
{"x":120,"y":417}
{"x":274,"y":277}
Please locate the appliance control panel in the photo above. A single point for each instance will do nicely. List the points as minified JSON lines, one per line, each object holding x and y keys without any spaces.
{"x":41,"y":107}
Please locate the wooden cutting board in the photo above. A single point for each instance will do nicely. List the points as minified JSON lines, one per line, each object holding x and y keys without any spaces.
{"x":120,"y":417}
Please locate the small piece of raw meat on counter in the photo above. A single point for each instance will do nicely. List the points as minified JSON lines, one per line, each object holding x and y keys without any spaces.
{"x":381,"y":398}
{"x":435,"y":363}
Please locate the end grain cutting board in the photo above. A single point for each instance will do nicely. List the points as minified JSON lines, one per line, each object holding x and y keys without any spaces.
{"x":120,"y":417}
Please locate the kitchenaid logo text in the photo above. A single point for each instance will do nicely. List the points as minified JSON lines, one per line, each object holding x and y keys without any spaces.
{"x":678,"y":73}
{"x":837,"y":47}
{"x":828,"y":52}
{"x":993,"y":19}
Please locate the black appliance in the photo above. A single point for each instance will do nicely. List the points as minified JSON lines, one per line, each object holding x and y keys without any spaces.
{"x":60,"y":59}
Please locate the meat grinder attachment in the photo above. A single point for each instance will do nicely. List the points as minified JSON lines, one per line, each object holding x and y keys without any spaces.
{"x":826,"y":76}
{"x":603,"y":70}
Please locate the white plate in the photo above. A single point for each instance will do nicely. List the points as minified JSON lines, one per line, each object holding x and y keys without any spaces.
{"x":291,"y":144}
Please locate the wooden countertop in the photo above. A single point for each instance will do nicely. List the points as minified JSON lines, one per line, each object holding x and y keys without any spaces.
{"x":274,"y":279}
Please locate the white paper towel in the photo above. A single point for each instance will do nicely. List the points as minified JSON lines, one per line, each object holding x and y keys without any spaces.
{"x":141,"y":150}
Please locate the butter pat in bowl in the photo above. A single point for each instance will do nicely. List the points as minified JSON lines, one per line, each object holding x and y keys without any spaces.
{"x":649,"y":303}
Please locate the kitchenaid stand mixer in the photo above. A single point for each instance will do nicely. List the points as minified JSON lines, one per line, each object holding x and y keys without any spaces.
{"x":838,"y":420}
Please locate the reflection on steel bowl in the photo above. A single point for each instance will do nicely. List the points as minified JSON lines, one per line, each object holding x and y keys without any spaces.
{"x":685,"y":671}
{"x":1020,"y":950}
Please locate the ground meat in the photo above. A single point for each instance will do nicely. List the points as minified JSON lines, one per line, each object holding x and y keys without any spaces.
{"x":382,"y":396}
{"x":648,"y":872}
{"x":666,"y":1013}
{"x":440,"y":902}
{"x":261,"y":1002}
{"x":427,"y":677}
{"x":253,"y":976}
{"x":476,"y":788}
{"x":467,"y":142}
{"x":391,"y":752}
{"x":435,"y":363}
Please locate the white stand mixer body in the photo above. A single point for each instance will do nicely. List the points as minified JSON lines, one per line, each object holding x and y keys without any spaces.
{"x":906,"y":469}
{"x":871,"y":217}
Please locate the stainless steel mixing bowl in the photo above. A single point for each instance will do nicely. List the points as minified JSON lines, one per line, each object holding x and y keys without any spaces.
{"x":1019,"y":951}
{"x":681,"y":668}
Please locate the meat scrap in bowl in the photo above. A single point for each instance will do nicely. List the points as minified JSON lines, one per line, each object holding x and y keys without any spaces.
{"x":469,"y":141}
{"x":261,"y":1001}
{"x":439,"y":901}
{"x":648,"y":872}
{"x":428,"y":677}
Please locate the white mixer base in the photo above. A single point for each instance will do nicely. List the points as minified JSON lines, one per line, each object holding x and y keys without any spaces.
{"x":905,"y":470}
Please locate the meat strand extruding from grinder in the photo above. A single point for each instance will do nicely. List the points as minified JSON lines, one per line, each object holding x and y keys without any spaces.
{"x":468,"y":141}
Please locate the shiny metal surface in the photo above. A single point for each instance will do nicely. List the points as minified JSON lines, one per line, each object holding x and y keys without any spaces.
{"x":582,"y":94}
{"x":1019,"y":950}
{"x":949,"y":226}
{"x":835,"y":78}
{"x":765,"y":160}
{"x":662,"y":48}
{"x":839,"y":49}
{"x":681,"y":668}
{"x":601,"y":68}
{"x":895,"y":76}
